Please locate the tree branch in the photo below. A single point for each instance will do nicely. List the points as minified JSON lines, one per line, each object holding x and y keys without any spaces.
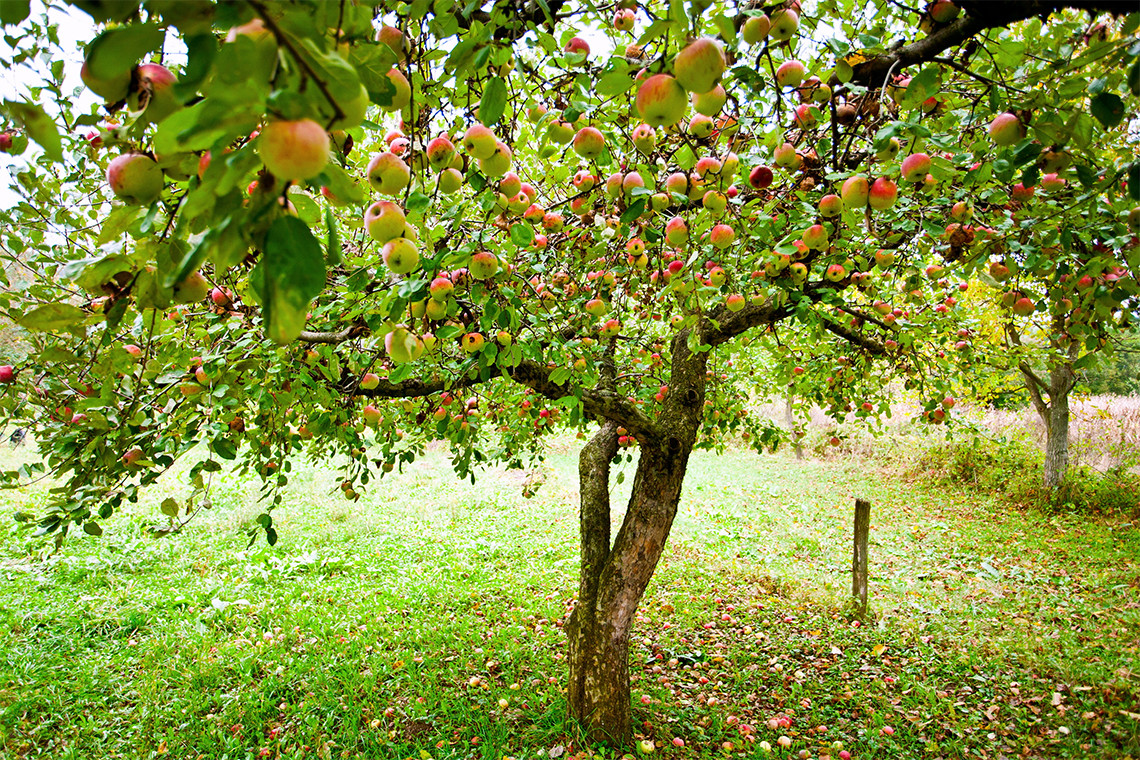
{"x":980,"y":15}
{"x":851,"y":336}
{"x":1032,"y":382}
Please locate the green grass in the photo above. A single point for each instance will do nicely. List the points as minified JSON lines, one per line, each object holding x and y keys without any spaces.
{"x":393,"y":626}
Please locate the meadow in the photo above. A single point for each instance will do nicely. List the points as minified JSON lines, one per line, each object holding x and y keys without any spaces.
{"x":424,"y":621}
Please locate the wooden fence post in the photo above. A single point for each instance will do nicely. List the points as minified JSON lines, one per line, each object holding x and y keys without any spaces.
{"x":859,"y":559}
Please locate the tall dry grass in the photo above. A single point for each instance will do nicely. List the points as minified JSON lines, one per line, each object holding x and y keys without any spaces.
{"x":1104,"y":431}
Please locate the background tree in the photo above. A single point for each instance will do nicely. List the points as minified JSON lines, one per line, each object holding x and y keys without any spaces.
{"x":332,"y":228}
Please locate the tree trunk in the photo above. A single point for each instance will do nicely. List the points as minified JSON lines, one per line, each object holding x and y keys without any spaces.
{"x":790,"y":420}
{"x":1061,"y":381}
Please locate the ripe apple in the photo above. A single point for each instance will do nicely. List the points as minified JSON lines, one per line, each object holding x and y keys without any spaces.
{"x":883,"y":194}
{"x":710,"y":103}
{"x":784,"y":24}
{"x":760,"y":176}
{"x":221,"y":298}
{"x":701,"y":126}
{"x":790,"y":74}
{"x":499,"y":162}
{"x":722,"y":236}
{"x":192,"y":289}
{"x":1051,"y":182}
{"x":400,"y":99}
{"x":884,"y":258}
{"x":644,"y":138}
{"x":135,"y":178}
{"x":369,"y":381}
{"x":1021,"y":193}
{"x":7,"y":374}
{"x":387,"y":173}
{"x":661,"y":101}
{"x":440,"y":152}
{"x":755,"y":29}
{"x":835,"y":272}
{"x":785,"y":156}
{"x":1024,"y":306}
{"x":112,"y":89}
{"x":699,"y":65}
{"x":735,"y":302}
{"x":400,"y":255}
{"x":677,"y":231}
{"x":1005,"y":129}
{"x":479,"y":141}
{"x":804,"y":117}
{"x":294,"y":150}
{"x":155,"y":92}
{"x":830,"y":205}
{"x":578,"y":47}
{"x":484,"y":265}
{"x":915,"y":167}
{"x":472,"y":342}
{"x":610,"y":328}
{"x":589,"y":143}
{"x":132,"y":456}
{"x":384,"y":220}
{"x":449,"y":181}
{"x":855,"y":192}
{"x":816,"y":237}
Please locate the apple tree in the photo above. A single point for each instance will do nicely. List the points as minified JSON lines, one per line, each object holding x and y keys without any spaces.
{"x":344,"y":229}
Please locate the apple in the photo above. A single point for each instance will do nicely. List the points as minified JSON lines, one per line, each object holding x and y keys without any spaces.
{"x":589,"y":143}
{"x":999,"y":271}
{"x":384,"y":220}
{"x":699,"y":65}
{"x":644,"y":138}
{"x":371,"y":415}
{"x":440,"y":152}
{"x":855,"y":192}
{"x":610,"y":328}
{"x":7,"y":374}
{"x":472,"y":342}
{"x":790,"y":74}
{"x":596,"y":307}
{"x":830,"y":205}
{"x":1005,"y":129}
{"x":883,"y":194}
{"x":294,"y":150}
{"x":479,"y":141}
{"x":722,"y":236}
{"x":835,"y":272}
{"x":816,"y":237}
{"x":132,"y":457}
{"x":578,"y":47}
{"x":785,"y":156}
{"x":760,"y":176}
{"x":449,"y":181}
{"x":135,"y":178}
{"x":441,"y":287}
{"x":784,"y":24}
{"x":1021,"y":193}
{"x":484,"y":265}
{"x":661,"y":101}
{"x":1024,"y":306}
{"x":400,"y":255}
{"x":400,"y":99}
{"x":735,"y":302}
{"x":112,"y":89}
{"x":677,"y":231}
{"x":623,"y":19}
{"x":221,"y":298}
{"x":798,"y":271}
{"x":710,"y":103}
{"x":804,"y":117}
{"x":943,"y":11}
{"x":387,"y":173}
{"x":701,"y":126}
{"x":915,"y":166}
{"x":510,"y":185}
{"x":646,"y":746}
{"x":755,"y":29}
{"x":403,"y":346}
{"x":948,"y":402}
{"x":192,"y":289}
{"x":1052,"y":182}
{"x":155,"y":92}
{"x":499,"y":162}
{"x":369,"y":381}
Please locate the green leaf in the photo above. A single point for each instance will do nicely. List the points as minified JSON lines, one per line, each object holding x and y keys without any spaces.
{"x":1108,"y":109}
{"x":332,"y":245}
{"x":1134,"y":78}
{"x":493,"y":102}
{"x":14,"y":11}
{"x":522,"y":235}
{"x":1134,"y":181}
{"x":290,"y":274}
{"x":52,"y":316}
{"x":417,"y":201}
{"x":635,"y":210}
{"x":224,"y":448}
{"x":116,"y":51}
{"x":614,"y":83}
{"x":92,"y":529}
{"x":38,"y":125}
{"x":169,"y":507}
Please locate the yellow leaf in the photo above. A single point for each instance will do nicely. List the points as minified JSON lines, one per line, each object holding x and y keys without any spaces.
{"x":161,"y":747}
{"x":854,"y":59}
{"x":878,"y":649}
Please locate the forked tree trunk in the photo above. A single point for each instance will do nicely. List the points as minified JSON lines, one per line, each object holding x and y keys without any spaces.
{"x":1054,"y":412}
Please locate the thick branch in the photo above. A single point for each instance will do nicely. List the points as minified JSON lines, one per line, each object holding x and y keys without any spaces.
{"x":851,"y":336}
{"x":340,"y":336}
{"x":1032,"y":382}
{"x":722,"y":325}
{"x":980,"y":15}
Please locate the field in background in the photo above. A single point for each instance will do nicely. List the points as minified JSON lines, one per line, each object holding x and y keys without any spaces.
{"x":424,"y":621}
{"x":1104,"y":431}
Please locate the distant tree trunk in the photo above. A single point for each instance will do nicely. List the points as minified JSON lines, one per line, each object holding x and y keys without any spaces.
{"x":1054,"y":412}
{"x":613,"y":580}
{"x":790,"y":420}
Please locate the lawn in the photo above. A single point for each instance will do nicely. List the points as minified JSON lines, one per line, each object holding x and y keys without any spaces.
{"x":424,"y":621}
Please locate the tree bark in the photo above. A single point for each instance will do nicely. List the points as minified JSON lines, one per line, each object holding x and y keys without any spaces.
{"x":613,"y":580}
{"x":790,"y":420}
{"x":1061,"y":381}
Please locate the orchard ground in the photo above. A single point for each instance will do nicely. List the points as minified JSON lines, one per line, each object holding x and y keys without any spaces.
{"x":424,"y":621}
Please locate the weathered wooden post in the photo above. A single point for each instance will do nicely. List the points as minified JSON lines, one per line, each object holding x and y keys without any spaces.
{"x":859,"y":559}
